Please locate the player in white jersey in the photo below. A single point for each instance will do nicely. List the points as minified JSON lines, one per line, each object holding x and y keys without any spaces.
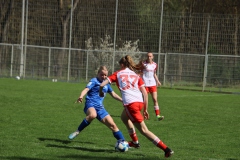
{"x":135,"y":98}
{"x":151,"y":81}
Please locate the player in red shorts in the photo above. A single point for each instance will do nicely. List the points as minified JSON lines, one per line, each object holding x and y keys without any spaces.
{"x":134,"y":98}
{"x":151,"y":81}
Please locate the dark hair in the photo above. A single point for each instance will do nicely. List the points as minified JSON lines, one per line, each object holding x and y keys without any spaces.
{"x":128,"y":62}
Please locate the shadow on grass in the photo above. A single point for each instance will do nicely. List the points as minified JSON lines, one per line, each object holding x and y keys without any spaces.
{"x":140,"y":156}
{"x":115,"y":116}
{"x":95,"y":156}
{"x":19,"y":158}
{"x":60,"y":140}
{"x":55,"y":140}
{"x":89,"y":157}
{"x":82,"y":148}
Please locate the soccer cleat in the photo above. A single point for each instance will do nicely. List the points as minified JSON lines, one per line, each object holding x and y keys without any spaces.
{"x":160,"y":117}
{"x":131,"y":144}
{"x":168,"y":152}
{"x":73,"y":135}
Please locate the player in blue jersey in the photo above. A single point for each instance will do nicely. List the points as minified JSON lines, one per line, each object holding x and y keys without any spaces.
{"x":94,"y":107}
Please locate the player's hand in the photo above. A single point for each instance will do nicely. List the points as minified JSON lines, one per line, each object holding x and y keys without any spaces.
{"x":101,"y":94}
{"x":145,"y":115}
{"x":79,"y":100}
{"x":159,"y":84}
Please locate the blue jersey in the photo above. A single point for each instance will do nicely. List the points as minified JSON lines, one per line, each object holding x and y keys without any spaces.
{"x":93,"y":99}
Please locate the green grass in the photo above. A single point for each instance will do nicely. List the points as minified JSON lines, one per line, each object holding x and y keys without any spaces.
{"x":36,"y":118}
{"x":235,"y":89}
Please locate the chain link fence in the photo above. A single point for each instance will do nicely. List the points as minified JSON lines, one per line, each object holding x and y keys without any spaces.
{"x":69,"y":41}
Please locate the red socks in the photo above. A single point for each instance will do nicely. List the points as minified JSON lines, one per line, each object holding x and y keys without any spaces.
{"x":159,"y":143}
{"x":157,"y":111}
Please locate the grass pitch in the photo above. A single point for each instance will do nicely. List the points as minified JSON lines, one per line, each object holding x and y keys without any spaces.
{"x":37,"y":117}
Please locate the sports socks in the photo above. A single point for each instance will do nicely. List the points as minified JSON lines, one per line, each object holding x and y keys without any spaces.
{"x":157,"y":111}
{"x":133,"y":136}
{"x":118,"y":135}
{"x":84,"y":124}
{"x":159,"y":144}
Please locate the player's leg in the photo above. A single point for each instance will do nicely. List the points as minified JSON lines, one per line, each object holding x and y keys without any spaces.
{"x":131,"y":130}
{"x":134,"y":112}
{"x":153,"y":138}
{"x":156,"y":106}
{"x":105,"y":118}
{"x":108,"y":121}
{"x":90,"y":115}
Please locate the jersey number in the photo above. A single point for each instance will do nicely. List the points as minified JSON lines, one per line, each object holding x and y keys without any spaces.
{"x":129,"y":82}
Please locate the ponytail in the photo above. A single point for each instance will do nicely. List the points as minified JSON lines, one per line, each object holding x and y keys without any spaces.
{"x":128,"y":62}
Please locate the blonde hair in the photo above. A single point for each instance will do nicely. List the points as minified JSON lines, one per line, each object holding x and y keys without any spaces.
{"x":102,"y":68}
{"x":128,"y":62}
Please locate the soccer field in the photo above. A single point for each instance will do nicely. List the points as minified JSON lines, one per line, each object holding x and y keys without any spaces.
{"x":37,"y":117}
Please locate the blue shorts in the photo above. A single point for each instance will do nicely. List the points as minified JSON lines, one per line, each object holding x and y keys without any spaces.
{"x":101,"y":113}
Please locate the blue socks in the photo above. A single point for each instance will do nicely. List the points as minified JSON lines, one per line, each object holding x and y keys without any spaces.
{"x":118,"y":135}
{"x":84,"y":124}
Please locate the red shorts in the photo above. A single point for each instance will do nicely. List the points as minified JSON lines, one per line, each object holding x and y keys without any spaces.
{"x":133,"y":111}
{"x":151,"y":89}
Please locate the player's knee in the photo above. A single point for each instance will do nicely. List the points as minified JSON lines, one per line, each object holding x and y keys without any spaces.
{"x":92,"y":116}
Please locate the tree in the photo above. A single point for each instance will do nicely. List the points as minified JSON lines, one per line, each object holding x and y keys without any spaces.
{"x":101,"y":52}
{"x":64,"y":9}
{"x":5,"y":14}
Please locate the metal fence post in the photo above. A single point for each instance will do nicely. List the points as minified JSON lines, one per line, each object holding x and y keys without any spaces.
{"x":49,"y":62}
{"x":160,"y":40}
{"x":115,"y":34}
{"x":87,"y":68}
{"x":11,"y":70}
{"x":70,"y":41}
{"x":165,"y":70}
{"x":25,"y":46}
{"x":206,"y":58}
{"x":22,"y":37}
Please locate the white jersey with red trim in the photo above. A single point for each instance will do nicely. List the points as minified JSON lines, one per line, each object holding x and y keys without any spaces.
{"x":129,"y":83}
{"x":148,"y":74}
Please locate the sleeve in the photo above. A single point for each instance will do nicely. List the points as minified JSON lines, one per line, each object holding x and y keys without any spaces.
{"x":140,"y":82}
{"x":109,"y":88}
{"x":112,"y":78}
{"x":90,"y":84}
{"x":156,"y":67}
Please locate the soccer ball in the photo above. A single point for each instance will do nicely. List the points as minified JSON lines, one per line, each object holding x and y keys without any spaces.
{"x":18,"y":78}
{"x":121,"y":146}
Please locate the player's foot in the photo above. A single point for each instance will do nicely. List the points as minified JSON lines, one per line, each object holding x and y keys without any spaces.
{"x":73,"y":135}
{"x":160,"y":117}
{"x":168,"y":152}
{"x":131,"y":144}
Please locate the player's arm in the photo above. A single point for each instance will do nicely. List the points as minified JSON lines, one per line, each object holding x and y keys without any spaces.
{"x":101,"y":94}
{"x":115,"y":96}
{"x":156,"y":79}
{"x":83,"y":93}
